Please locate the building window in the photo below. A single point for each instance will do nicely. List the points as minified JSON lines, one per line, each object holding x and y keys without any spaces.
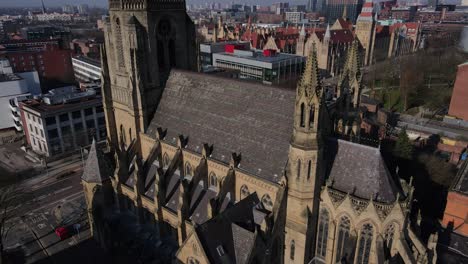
{"x":165,"y":161}
{"x":213,"y":180}
{"x":35,"y":129}
{"x":63,"y":117}
{"x":188,"y":170}
{"x":88,"y":111}
{"x":118,"y":41}
{"x":42,"y":133}
{"x":292,"y":250}
{"x":76,"y":114}
{"x":31,"y":128}
{"x":302,"y":115}
{"x":99,"y":109}
{"x":267,"y":202}
{"x":90,"y":124}
{"x":311,"y":116}
{"x":365,"y":243}
{"x":309,"y":169}
{"x":39,"y":120}
{"x":244,"y":191}
{"x":53,"y":133}
{"x":388,"y":236}
{"x":343,"y":239}
{"x":102,"y":121}
{"x":298,"y":169}
{"x":322,"y":237}
{"x":49,"y":120}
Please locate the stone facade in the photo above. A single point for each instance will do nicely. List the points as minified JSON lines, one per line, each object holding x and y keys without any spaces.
{"x":237,"y":172}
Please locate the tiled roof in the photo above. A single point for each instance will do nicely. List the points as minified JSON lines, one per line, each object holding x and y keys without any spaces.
{"x":235,"y":116}
{"x":360,"y":170}
{"x":233,"y":231}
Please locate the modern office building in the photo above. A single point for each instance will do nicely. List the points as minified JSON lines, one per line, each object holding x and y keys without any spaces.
{"x":265,"y":66}
{"x":208,"y":49}
{"x":294,"y":17}
{"x":86,"y":69}
{"x":335,"y":9}
{"x":12,"y":86}
{"x":63,"y":120}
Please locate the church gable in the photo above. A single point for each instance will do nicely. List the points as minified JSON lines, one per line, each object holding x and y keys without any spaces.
{"x":192,"y":250}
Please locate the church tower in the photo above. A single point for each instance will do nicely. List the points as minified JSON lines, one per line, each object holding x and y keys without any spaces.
{"x":303,"y":175}
{"x":365,"y":25}
{"x":144,"y":39}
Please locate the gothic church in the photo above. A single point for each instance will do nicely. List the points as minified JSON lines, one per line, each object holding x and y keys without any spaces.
{"x":202,"y":169}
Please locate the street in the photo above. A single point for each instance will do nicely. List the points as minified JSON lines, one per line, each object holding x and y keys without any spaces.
{"x":52,"y":199}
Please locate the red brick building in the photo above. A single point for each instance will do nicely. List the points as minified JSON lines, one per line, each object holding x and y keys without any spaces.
{"x":456,"y":210}
{"x":458,"y":104}
{"x":48,"y":58}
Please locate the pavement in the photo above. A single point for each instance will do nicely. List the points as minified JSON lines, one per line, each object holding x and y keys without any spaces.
{"x":50,"y":200}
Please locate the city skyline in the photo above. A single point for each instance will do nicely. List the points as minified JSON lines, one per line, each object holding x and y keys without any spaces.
{"x":104,"y":3}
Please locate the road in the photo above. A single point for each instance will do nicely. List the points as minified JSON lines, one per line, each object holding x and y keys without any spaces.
{"x":52,"y":199}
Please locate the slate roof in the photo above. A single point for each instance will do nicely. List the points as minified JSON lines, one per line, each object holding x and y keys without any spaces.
{"x":360,"y":170}
{"x":98,"y":166}
{"x":234,"y":116}
{"x":233,"y":230}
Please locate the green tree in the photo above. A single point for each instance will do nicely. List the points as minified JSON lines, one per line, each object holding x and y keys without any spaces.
{"x":403,"y":147}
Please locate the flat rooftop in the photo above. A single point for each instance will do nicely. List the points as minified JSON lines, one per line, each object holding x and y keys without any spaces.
{"x":258,"y":56}
{"x":40,"y":106}
{"x":9,"y":77}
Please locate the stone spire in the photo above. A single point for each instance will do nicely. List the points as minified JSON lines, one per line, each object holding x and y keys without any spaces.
{"x":353,"y":63}
{"x":327,"y":33}
{"x":303,"y":32}
{"x":345,"y":12}
{"x":97,"y":168}
{"x":310,"y":81}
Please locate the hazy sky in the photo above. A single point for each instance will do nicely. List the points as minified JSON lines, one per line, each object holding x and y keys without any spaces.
{"x":55,"y":3}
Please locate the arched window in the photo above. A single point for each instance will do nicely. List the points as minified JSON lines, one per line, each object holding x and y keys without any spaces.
{"x":311,"y":116}
{"x":388,"y":236}
{"x":292,"y":250}
{"x":267,"y":202}
{"x":322,"y":237}
{"x":122,"y":135}
{"x":166,"y":161}
{"x":298,"y":169}
{"x":244,"y":191}
{"x":213,"y":180}
{"x":118,"y":43}
{"x":309,"y":169}
{"x":302,"y":115}
{"x":188,"y":170}
{"x":365,"y":243}
{"x":343,"y":238}
{"x":191,"y":260}
{"x":130,"y":134}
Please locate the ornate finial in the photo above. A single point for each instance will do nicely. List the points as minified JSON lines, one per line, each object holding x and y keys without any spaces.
{"x":345,"y":13}
{"x":411,"y":181}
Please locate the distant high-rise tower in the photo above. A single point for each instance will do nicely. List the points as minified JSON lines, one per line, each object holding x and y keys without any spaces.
{"x":365,"y":28}
{"x":43,"y":7}
{"x":334,"y":9}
